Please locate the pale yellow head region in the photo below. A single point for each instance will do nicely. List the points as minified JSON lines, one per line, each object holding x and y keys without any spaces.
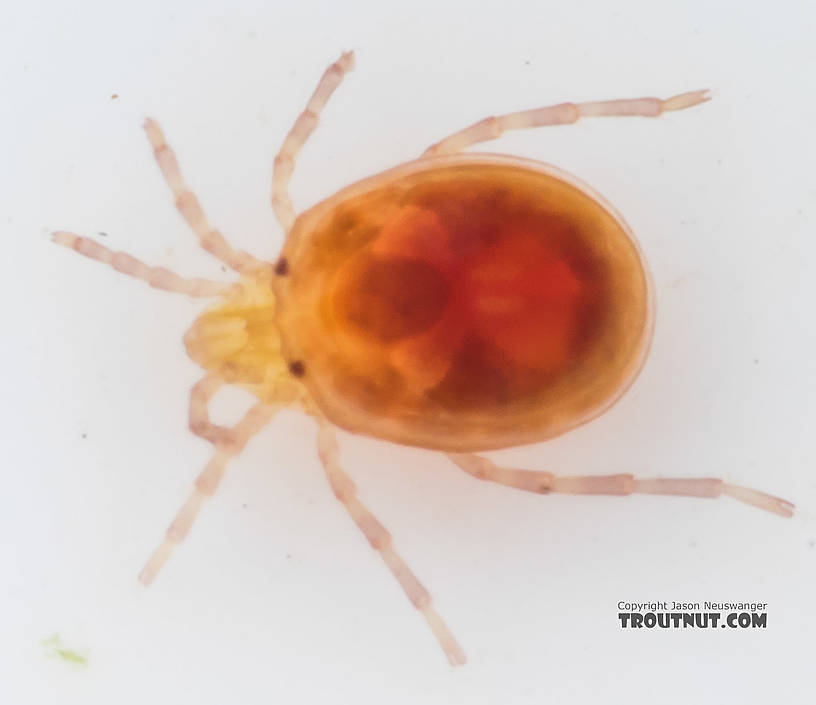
{"x":238,"y":339}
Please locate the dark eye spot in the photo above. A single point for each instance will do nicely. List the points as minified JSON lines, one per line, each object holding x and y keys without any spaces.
{"x":297,"y":368}
{"x":282,"y":267}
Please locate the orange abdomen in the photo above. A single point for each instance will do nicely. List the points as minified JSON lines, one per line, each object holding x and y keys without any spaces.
{"x":469,"y":303}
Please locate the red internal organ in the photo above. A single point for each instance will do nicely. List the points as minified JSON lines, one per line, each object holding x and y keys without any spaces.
{"x":524,"y":297}
{"x":470,"y":295}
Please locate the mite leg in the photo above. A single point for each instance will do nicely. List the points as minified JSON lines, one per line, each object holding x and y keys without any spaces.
{"x":380,"y":540}
{"x":228,"y":443}
{"x":545,"y":482}
{"x":562,"y":114}
{"x":304,"y":126}
{"x":190,"y":209}
{"x":157,"y":277}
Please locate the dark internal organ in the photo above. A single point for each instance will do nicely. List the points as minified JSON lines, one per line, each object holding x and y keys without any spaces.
{"x":392,"y":298}
{"x":434,"y":298}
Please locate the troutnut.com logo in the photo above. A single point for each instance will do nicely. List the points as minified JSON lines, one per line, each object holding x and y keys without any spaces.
{"x":692,"y":615}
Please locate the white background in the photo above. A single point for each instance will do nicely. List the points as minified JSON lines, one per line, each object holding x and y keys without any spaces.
{"x":276,"y":597}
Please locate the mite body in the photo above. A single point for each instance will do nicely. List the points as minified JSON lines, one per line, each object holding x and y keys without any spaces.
{"x":458,"y":302}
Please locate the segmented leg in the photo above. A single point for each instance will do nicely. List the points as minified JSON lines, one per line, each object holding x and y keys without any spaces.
{"x":157,"y":277}
{"x":190,"y":209}
{"x":562,"y":114}
{"x":201,"y":394}
{"x":304,"y":126}
{"x":228,"y":443}
{"x":379,"y":538}
{"x":624,"y":484}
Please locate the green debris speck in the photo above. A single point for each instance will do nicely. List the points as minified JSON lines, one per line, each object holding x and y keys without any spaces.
{"x":54,"y":648}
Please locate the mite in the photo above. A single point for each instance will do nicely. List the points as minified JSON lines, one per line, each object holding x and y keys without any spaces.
{"x":458,"y":302}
